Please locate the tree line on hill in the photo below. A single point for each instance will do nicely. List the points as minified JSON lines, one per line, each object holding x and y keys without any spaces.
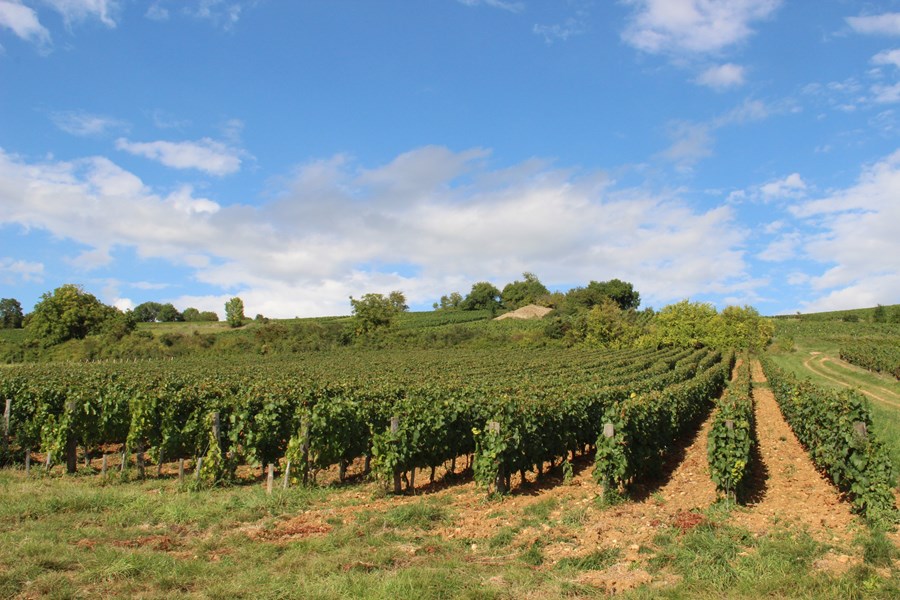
{"x":70,"y":323}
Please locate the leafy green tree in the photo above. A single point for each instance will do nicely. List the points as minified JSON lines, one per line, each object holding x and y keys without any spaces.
{"x":191,"y":314}
{"x":521,"y":293}
{"x":208,"y":315}
{"x":622,"y":292}
{"x":879,"y":315}
{"x":373,"y":312}
{"x":685,"y":323}
{"x":11,"y":316}
{"x":147,"y":312}
{"x":169,"y":314}
{"x":454,"y":300}
{"x":234,"y":312}
{"x":484,"y":296}
{"x":67,"y":313}
{"x":740,"y":327}
{"x":398,"y":301}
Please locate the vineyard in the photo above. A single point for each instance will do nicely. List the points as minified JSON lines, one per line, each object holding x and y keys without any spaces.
{"x":572,"y":464}
{"x":503,"y":413}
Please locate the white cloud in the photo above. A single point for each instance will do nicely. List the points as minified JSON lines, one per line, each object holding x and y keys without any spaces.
{"x":205,"y":155}
{"x":82,"y":123}
{"x":883,"y":24}
{"x":855,"y":234}
{"x":560,"y":31}
{"x":514,"y":7}
{"x":23,"y":21}
{"x":887,"y":57}
{"x":693,"y":26}
{"x":691,"y":142}
{"x":722,"y":77}
{"x":791,"y":186}
{"x":784,"y":248}
{"x":74,"y":11}
{"x":442,"y":219}
{"x":13,"y":271}
{"x":156,"y":12}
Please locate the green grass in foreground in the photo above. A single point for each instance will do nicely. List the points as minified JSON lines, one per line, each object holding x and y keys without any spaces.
{"x":66,"y":537}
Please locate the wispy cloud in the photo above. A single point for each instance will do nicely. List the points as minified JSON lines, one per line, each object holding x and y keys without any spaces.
{"x":75,"y":11}
{"x":513,"y":6}
{"x":206,"y":155}
{"x":883,"y":24}
{"x":693,"y":26}
{"x":722,"y":77}
{"x":23,"y":22}
{"x":83,"y":123}
{"x":13,"y":271}
{"x":224,"y":14}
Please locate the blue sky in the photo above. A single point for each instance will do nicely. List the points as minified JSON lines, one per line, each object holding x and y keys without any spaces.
{"x":297,"y":153}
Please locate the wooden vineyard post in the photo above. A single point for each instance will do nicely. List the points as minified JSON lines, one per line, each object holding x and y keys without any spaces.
{"x":395,"y":427}
{"x":860,"y":430}
{"x":124,"y":462}
{"x":103,"y":464}
{"x":71,"y":447}
{"x":159,"y":464}
{"x":6,"y":413}
{"x":217,"y":429}
{"x":287,"y":475}
{"x":139,"y":459}
{"x":180,"y":470}
{"x":199,"y":466}
{"x":304,"y":449}
{"x":27,"y":462}
{"x":500,"y":478}
{"x":270,"y":479}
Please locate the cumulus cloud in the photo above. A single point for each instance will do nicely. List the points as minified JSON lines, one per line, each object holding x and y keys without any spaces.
{"x":883,"y":24}
{"x":206,"y":154}
{"x":428,"y":222}
{"x":887,"y":57}
{"x":855,"y":236}
{"x":722,"y":77}
{"x":693,"y":26}
{"x":23,"y":22}
{"x":791,"y":186}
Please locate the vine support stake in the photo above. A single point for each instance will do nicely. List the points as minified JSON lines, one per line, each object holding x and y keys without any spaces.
{"x":27,"y":462}
{"x":729,"y":424}
{"x":104,"y":464}
{"x":304,"y":450}
{"x":6,"y":413}
{"x":270,"y":479}
{"x":139,"y":459}
{"x":609,"y":430}
{"x":71,"y":446}
{"x":217,"y":429}
{"x":180,"y":470}
{"x":500,"y":479}
{"x":395,"y":427}
{"x":124,"y":461}
{"x":287,"y":475}
{"x":859,"y":428}
{"x":199,"y":466}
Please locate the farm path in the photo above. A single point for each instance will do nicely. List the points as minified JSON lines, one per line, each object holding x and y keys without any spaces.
{"x":884,"y":395}
{"x":793,"y":491}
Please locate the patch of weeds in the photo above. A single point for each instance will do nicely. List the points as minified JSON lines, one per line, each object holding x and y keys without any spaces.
{"x":539,"y":512}
{"x":609,"y":498}
{"x":574,"y":517}
{"x":595,"y":561}
{"x":421,"y":515}
{"x":705,"y":553}
{"x":534,"y":554}
{"x":504,"y":537}
{"x":878,"y":550}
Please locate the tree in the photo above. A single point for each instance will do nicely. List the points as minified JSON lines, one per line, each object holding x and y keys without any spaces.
{"x":234,"y":312}
{"x":521,"y":293}
{"x":147,"y":312}
{"x":373,"y":312}
{"x":685,"y":324}
{"x":398,"y":301}
{"x":484,"y":296}
{"x":191,"y":314}
{"x":879,"y":315}
{"x":11,"y":316}
{"x":169,"y":314}
{"x":621,"y":292}
{"x":208,"y":315}
{"x":740,"y":327}
{"x":454,"y":300}
{"x":68,"y":313}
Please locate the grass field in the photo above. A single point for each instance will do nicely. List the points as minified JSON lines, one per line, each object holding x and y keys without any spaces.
{"x":67,"y":537}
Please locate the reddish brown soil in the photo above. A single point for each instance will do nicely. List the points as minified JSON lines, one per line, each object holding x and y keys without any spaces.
{"x":792,"y":491}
